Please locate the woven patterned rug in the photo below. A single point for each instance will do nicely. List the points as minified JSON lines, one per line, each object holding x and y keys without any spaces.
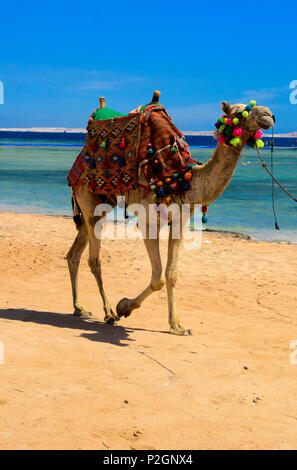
{"x":116,"y":148}
{"x":109,"y":156}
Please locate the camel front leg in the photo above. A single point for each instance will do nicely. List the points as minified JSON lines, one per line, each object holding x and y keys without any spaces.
{"x":174,"y":245}
{"x":95,"y":266}
{"x":73,"y":258}
{"x":126,"y":306}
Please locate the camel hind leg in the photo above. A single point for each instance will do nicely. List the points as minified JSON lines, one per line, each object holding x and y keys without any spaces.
{"x":95,"y":266}
{"x":73,"y":258}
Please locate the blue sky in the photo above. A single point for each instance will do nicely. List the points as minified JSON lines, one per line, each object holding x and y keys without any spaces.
{"x":58,"y":57}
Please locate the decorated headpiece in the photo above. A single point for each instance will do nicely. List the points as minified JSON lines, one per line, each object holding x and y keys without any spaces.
{"x":229,"y":131}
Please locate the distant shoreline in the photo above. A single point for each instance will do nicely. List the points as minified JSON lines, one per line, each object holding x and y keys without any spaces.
{"x":72,"y":130}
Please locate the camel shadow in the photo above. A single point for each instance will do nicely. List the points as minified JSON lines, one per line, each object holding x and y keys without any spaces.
{"x":95,"y":330}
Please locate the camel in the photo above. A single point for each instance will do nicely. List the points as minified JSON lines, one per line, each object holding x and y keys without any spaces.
{"x":208,"y":182}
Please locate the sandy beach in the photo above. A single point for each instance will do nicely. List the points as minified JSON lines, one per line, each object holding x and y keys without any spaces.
{"x":69,"y":383}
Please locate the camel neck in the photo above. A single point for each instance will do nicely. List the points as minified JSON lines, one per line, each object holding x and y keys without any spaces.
{"x":211,"y":179}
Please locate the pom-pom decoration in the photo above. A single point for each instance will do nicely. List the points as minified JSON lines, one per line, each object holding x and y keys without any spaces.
{"x":235,"y":121}
{"x":204,"y":219}
{"x":259,"y":144}
{"x":237,"y":132}
{"x":236,"y":141}
{"x":188,"y":176}
{"x":161,"y":192}
{"x":150,"y":151}
{"x":245,"y":114}
{"x":122,"y":143}
{"x":252,"y":102}
{"x":258,"y":134}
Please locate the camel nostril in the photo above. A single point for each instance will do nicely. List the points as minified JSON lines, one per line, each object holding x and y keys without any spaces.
{"x":273,"y":117}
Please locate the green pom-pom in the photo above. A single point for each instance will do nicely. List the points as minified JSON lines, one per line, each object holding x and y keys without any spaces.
{"x":153,"y":187}
{"x":174,"y":150}
{"x":236,"y":141}
{"x":154,"y":198}
{"x":103,"y":145}
{"x":245,"y":114}
{"x":229,"y":131}
{"x":235,"y":121}
{"x":259,"y":143}
{"x":222,"y":128}
{"x":252,"y":103}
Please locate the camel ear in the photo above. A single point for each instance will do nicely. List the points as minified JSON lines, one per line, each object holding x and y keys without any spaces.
{"x":226,"y":107}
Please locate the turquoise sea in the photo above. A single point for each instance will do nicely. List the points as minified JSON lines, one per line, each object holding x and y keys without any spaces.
{"x":33,"y":180}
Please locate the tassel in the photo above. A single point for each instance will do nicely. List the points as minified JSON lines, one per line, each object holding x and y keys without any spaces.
{"x":122,"y":143}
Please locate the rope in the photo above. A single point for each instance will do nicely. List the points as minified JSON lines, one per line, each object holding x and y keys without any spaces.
{"x":273,"y":180}
{"x":264,"y":165}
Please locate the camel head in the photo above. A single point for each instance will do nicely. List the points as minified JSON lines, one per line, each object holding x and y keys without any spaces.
{"x":251,"y":117}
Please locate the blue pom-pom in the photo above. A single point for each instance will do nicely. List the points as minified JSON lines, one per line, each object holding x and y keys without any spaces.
{"x":150,"y":151}
{"x":186,"y":187}
{"x":204,"y":219}
{"x":248,"y":107}
{"x":161,"y":192}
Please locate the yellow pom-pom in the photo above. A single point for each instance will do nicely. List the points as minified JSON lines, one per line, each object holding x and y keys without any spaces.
{"x":236,"y":141}
{"x":259,"y":143}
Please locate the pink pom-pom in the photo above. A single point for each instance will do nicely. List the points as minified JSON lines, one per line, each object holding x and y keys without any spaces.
{"x":222,"y":139}
{"x":237,"y":132}
{"x":230,"y":121}
{"x":258,"y":135}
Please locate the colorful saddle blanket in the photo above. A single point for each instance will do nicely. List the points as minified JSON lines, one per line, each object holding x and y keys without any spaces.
{"x":116,"y":148}
{"x":109,"y":157}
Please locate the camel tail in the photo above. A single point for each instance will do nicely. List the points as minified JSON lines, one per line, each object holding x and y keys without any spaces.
{"x":77,"y":216}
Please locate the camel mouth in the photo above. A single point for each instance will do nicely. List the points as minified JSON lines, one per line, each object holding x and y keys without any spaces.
{"x":266,"y":121}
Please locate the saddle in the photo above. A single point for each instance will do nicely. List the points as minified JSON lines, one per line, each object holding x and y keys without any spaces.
{"x":117,"y":148}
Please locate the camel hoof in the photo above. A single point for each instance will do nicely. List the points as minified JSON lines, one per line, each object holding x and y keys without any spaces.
{"x":81,"y":312}
{"x":110,"y":320}
{"x":181,"y":331}
{"x":122,"y":309}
